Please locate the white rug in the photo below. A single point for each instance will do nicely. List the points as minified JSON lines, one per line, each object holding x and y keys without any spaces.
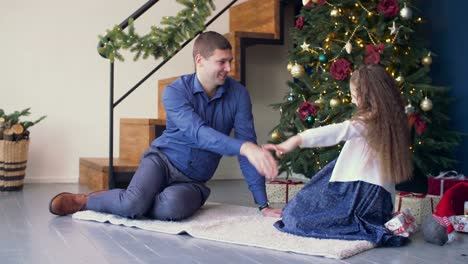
{"x":238,"y":225}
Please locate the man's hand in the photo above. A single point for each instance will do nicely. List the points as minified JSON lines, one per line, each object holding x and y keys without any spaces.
{"x":272,"y":212}
{"x":261,"y":159}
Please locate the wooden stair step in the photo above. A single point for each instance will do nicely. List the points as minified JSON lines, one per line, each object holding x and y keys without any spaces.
{"x":161,"y":85}
{"x":94,"y":172}
{"x":256,"y":16}
{"x":136,"y":134}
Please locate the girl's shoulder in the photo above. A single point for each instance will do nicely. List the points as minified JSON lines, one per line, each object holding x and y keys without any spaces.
{"x":357,"y":124}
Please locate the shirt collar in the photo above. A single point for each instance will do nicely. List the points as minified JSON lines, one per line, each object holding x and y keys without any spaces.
{"x":198,"y":88}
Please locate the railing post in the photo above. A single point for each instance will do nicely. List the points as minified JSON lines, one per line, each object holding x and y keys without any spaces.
{"x":111,"y":129}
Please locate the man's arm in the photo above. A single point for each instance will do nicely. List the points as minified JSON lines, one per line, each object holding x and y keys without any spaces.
{"x":254,"y":161}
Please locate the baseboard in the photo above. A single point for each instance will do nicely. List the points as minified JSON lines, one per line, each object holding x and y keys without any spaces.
{"x":51,"y":180}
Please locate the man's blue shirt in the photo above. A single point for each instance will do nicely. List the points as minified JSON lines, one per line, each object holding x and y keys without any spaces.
{"x":198,"y":128}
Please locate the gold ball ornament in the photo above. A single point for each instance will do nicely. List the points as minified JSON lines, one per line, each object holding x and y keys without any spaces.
{"x":426,"y":104}
{"x":289,"y":66}
{"x":320,"y":102}
{"x":427,"y":61}
{"x":346,"y":100}
{"x":297,"y":71}
{"x":334,"y":102}
{"x":275,"y":136}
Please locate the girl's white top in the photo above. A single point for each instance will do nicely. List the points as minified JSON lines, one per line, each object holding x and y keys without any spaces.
{"x":356,"y":162}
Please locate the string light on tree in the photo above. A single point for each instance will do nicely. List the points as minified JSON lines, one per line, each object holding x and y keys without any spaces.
{"x":400,"y":79}
{"x":334,"y":12}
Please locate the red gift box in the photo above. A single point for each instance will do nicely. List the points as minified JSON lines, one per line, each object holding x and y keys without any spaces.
{"x":440,"y":184}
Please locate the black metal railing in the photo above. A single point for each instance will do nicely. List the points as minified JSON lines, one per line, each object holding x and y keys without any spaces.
{"x":113,"y":104}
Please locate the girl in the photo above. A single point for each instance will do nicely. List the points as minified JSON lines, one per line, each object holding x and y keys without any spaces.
{"x":352,"y":197}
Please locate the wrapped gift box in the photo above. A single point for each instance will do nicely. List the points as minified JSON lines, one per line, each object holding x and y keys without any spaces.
{"x":460,"y":223}
{"x":402,"y":224}
{"x":420,"y":205}
{"x":439,"y":185}
{"x":282,"y":191}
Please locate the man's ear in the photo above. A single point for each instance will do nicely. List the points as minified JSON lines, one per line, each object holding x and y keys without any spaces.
{"x":198,"y":59}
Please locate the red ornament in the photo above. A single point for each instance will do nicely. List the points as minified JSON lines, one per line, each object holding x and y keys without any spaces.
{"x":389,"y":8}
{"x":373,"y":53}
{"x":300,"y":22}
{"x":307,"y":109}
{"x":416,"y":121}
{"x":340,"y":69}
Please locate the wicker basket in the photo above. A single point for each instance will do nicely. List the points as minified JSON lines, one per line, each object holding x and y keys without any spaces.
{"x":13,"y":159}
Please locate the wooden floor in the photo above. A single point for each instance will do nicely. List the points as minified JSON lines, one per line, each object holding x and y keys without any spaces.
{"x":30,"y":234}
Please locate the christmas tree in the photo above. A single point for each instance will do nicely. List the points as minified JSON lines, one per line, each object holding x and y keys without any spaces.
{"x":332,"y":38}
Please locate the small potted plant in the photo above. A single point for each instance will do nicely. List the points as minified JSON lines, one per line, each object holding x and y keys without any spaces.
{"x":14,"y":143}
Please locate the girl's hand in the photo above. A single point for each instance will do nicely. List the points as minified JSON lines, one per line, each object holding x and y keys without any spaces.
{"x":272,"y":212}
{"x":285,"y":147}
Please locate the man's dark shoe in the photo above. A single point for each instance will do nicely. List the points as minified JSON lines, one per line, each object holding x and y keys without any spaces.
{"x":67,"y":203}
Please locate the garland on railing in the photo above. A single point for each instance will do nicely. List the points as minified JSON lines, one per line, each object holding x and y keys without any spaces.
{"x":159,"y":42}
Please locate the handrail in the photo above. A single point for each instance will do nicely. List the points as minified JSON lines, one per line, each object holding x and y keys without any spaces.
{"x":112,"y":105}
{"x":170,"y":57}
{"x":140,"y":11}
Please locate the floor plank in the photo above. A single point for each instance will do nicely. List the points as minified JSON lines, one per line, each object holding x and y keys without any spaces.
{"x":30,"y":234}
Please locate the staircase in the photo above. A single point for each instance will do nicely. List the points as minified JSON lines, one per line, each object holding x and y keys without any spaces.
{"x":251,"y":22}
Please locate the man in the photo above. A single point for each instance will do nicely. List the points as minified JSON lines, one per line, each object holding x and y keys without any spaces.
{"x":202,"y":109}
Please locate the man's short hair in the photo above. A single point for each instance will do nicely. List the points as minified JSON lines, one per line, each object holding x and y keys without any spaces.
{"x":207,"y":42}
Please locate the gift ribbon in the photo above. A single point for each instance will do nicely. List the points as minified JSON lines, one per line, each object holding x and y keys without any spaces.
{"x":415,"y":195}
{"x":288,"y":182}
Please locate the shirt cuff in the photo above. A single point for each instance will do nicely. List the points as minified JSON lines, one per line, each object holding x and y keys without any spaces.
{"x":260,"y":196}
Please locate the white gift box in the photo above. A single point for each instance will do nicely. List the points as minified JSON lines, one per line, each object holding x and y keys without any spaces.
{"x":282,"y":191}
{"x":420,"y":205}
{"x":402,"y":224}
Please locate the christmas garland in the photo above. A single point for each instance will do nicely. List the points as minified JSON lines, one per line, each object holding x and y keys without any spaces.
{"x":159,"y":42}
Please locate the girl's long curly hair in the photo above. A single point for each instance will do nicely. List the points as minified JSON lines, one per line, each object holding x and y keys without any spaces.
{"x":381,"y":109}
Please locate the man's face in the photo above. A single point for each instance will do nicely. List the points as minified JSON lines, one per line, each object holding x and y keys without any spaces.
{"x":215,"y":68}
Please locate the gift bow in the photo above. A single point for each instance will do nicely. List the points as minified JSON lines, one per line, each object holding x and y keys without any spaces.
{"x":288,"y":182}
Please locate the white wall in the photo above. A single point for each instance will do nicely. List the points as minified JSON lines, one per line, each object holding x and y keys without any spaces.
{"x":49,"y":62}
